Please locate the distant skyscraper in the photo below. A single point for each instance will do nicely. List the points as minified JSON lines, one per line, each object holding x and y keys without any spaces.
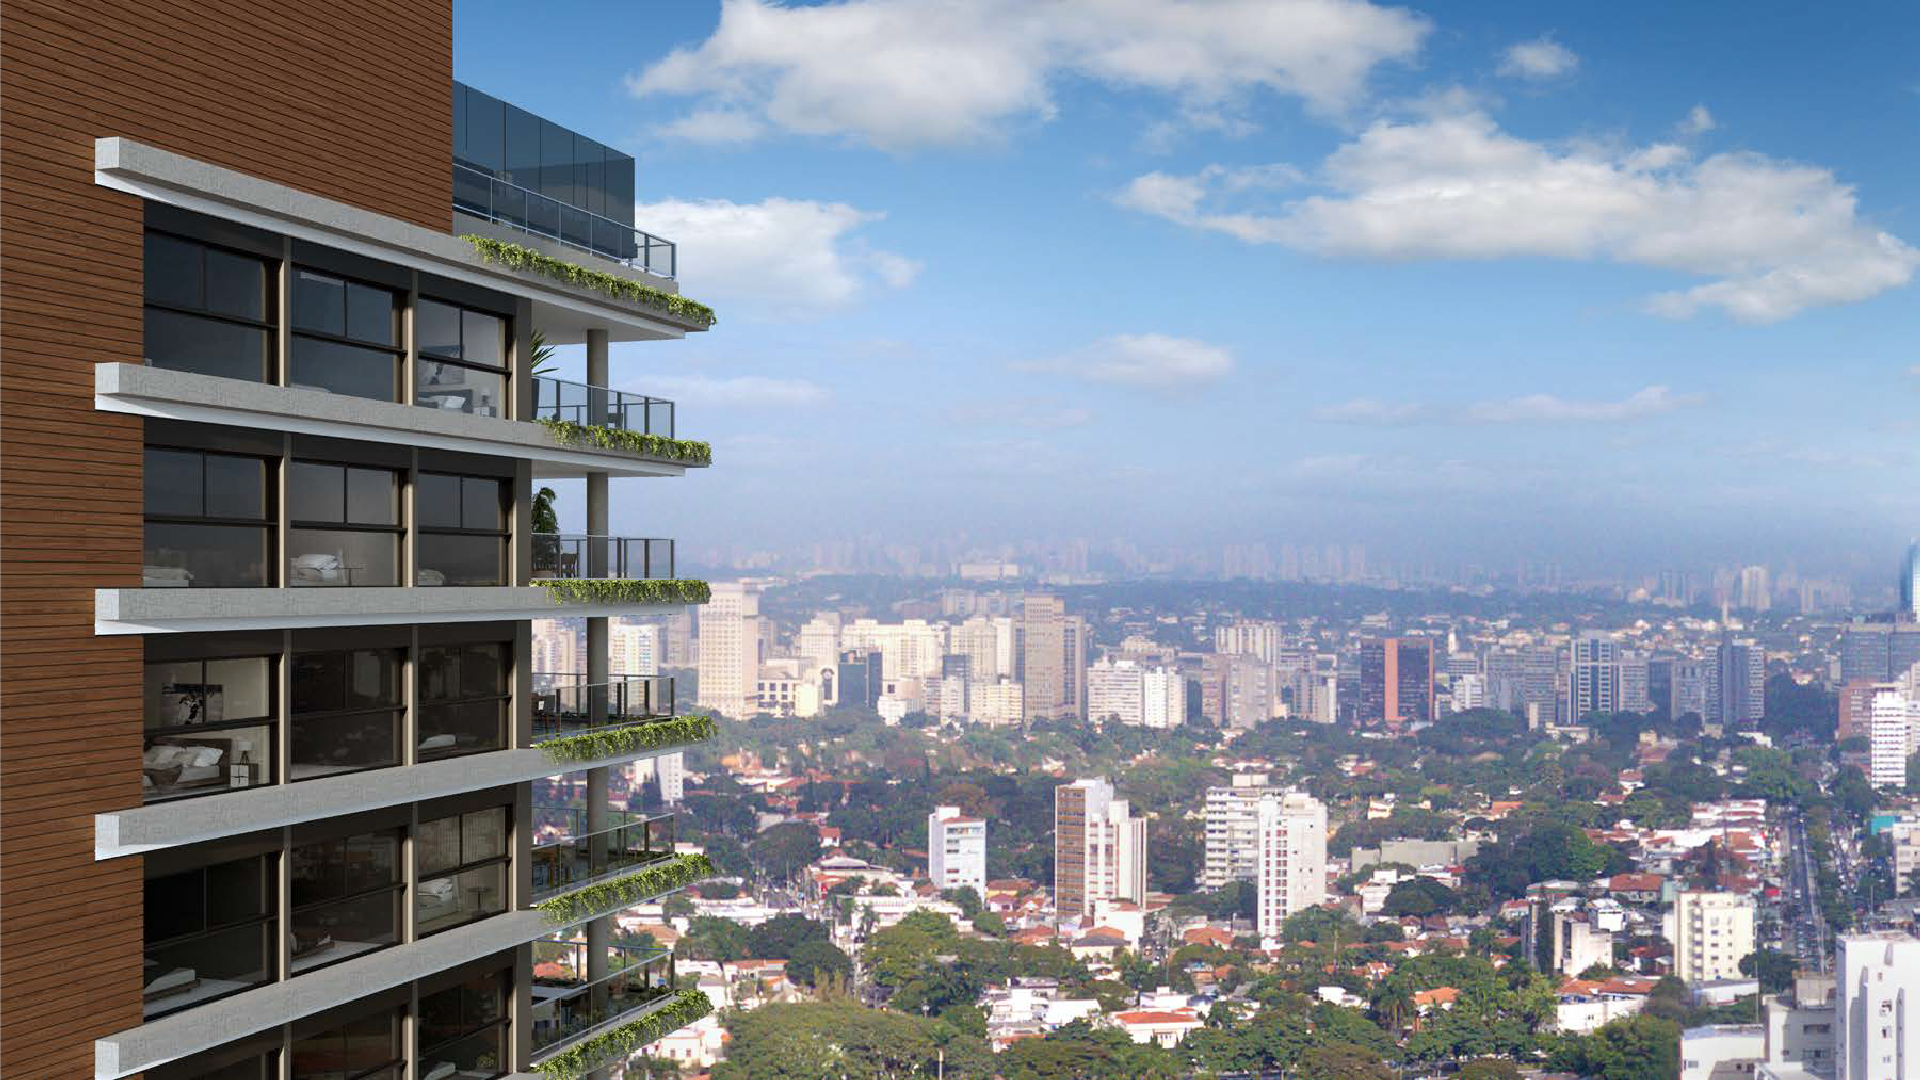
{"x":956,"y":850}
{"x":1253,"y":638}
{"x":1594,"y":675}
{"x":1739,"y":689}
{"x":1397,"y":680}
{"x":1291,"y":870}
{"x":1053,"y":658}
{"x":1100,"y":850}
{"x":1879,"y":650}
{"x":731,"y":649}
{"x":1910,"y":584}
{"x":1751,"y":589}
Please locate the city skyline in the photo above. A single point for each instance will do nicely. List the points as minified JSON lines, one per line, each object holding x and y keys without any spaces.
{"x":1187,"y":301}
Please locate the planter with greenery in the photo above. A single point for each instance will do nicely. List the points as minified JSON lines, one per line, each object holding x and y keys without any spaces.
{"x":626,"y":590}
{"x":606,"y":437}
{"x":610,"y":742}
{"x":681,"y":1010}
{"x":522,"y":258}
{"x":589,"y":902}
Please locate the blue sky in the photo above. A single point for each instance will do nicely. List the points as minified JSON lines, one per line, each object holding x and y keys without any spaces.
{"x":1469,"y":283}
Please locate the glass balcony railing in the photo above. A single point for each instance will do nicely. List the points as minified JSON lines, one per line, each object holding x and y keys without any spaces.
{"x":572,"y":861}
{"x":566,"y":708}
{"x":505,"y":203}
{"x":582,"y":403}
{"x":582,"y":555}
{"x":567,"y":1004}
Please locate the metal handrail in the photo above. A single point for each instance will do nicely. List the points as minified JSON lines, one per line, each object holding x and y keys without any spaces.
{"x":578,"y":707}
{"x":588,"y":556}
{"x":584,"y":403}
{"x":504,"y":202}
{"x":581,"y":1007}
{"x":565,"y":863}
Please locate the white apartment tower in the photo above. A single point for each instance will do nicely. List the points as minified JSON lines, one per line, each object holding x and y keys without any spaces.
{"x":730,"y":650}
{"x":1711,"y":932}
{"x":1877,"y":1022}
{"x":1232,"y":837}
{"x":1892,"y":721}
{"x":1594,"y":676}
{"x":1115,"y":691}
{"x":1100,"y":850}
{"x":1163,"y":698}
{"x":1292,"y":862}
{"x":956,"y":850}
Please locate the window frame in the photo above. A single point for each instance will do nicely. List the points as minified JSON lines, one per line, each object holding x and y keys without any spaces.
{"x":504,"y":533}
{"x":395,"y":890}
{"x":503,"y":1021}
{"x":270,"y":321}
{"x":424,"y":703}
{"x":397,"y":710}
{"x":268,"y":865}
{"x":270,"y":756}
{"x":397,"y":349}
{"x":398,"y":530}
{"x":504,"y":860}
{"x":269,"y":523}
{"x":504,"y":370}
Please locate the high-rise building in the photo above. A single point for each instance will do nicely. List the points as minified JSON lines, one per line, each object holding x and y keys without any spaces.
{"x":1291,"y":865}
{"x":1252,"y":638}
{"x":1115,"y":691}
{"x":732,"y":647}
{"x":1637,"y":692}
{"x":956,"y":850}
{"x":1053,"y":658}
{"x":1231,"y":830}
{"x":1909,"y":586}
{"x":636,"y":649}
{"x":1163,"y":698}
{"x":1737,"y":696}
{"x":1751,"y":589}
{"x":1690,"y":688}
{"x":1711,"y":933}
{"x":1855,"y":702}
{"x":1594,"y":675}
{"x":270,"y":562}
{"x":1523,"y":681}
{"x":1247,"y":692}
{"x":1100,"y":850}
{"x":1397,"y":680}
{"x":1892,"y":721}
{"x":1879,"y":650}
{"x":1877,"y":1023}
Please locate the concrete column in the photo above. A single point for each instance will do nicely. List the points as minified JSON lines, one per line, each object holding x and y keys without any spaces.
{"x":599,"y":932}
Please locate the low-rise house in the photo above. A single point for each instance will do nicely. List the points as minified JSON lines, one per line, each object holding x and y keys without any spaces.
{"x":1164,"y":1027}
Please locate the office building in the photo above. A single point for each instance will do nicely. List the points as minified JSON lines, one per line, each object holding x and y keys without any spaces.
{"x":733,"y":646}
{"x":1523,"y":682}
{"x":1052,"y":657}
{"x":1879,"y":650}
{"x":272,"y":440}
{"x":1877,"y":1023}
{"x":1100,"y":850}
{"x":956,"y":850}
{"x":1711,"y":932}
{"x":1738,"y":694}
{"x":1291,"y":860}
{"x":1396,"y":680}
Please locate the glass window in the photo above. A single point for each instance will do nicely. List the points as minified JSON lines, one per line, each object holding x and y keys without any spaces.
{"x":209,"y":933}
{"x":364,"y":504}
{"x":366,"y":1047}
{"x":208,"y":727}
{"x":463,"y":359}
{"x":463,"y":530}
{"x":462,"y":866}
{"x":464,"y":700}
{"x":208,"y":310}
{"x":206,"y":520}
{"x":345,"y":339}
{"x":463,"y":1029}
{"x":346,"y":898}
{"x":347,"y":709}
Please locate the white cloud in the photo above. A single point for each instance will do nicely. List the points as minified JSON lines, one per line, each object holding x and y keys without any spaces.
{"x":1527,"y":409}
{"x":736,"y":392}
{"x":906,"y":73}
{"x":1020,"y":412}
{"x":1143,"y":360}
{"x":1542,"y":58}
{"x":783,"y":258}
{"x":1777,"y":237}
{"x":1698,"y":122}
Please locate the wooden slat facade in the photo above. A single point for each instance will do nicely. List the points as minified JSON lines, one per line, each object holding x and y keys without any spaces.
{"x":350,"y":99}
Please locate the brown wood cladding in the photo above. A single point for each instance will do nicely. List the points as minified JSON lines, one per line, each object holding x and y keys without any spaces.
{"x":350,"y":100}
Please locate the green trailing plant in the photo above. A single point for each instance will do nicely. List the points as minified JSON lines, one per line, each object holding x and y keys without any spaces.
{"x":607,"y":437}
{"x":522,"y":258}
{"x":576,"y":906}
{"x":683,"y":1008}
{"x":612,"y":742}
{"x":626,"y":590}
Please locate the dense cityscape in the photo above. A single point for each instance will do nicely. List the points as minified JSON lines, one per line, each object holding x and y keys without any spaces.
{"x":1286,"y":821}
